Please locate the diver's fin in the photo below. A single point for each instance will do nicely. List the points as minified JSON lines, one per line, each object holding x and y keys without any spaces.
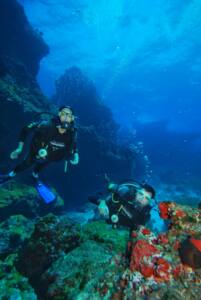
{"x":44,"y":191}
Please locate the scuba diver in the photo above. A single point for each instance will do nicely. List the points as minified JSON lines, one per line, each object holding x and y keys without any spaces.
{"x":128,"y":204}
{"x":52,"y":141}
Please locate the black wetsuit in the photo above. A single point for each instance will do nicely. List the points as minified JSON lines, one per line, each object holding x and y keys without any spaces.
{"x":46,"y":135}
{"x":130,"y":213}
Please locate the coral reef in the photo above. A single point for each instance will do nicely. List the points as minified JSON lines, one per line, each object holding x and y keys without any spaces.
{"x":185,"y":220}
{"x":13,"y":234}
{"x":22,"y":48}
{"x":51,"y":237}
{"x":156,"y":270}
{"x":112,"y":239}
{"x":64,"y":260}
{"x":12,"y":284}
{"x":82,"y":271}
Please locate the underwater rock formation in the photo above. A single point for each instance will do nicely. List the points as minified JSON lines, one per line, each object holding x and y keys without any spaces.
{"x":62,"y":260}
{"x":100,"y":232}
{"x":18,"y":198}
{"x":22,"y":47}
{"x":21,"y":50}
{"x":82,"y":270}
{"x":51,"y":237}
{"x":12,"y":284}
{"x":75,"y":89}
{"x":13,"y":234}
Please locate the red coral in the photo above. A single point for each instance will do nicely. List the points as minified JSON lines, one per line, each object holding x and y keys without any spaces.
{"x":196,"y":243}
{"x":164,"y":208}
{"x":141,"y":250}
{"x":161,"y":270}
{"x":180,"y":213}
{"x":134,"y":234}
{"x":162,"y":238}
{"x":147,"y":270}
{"x":177,"y":271}
{"x":176,"y":245}
{"x":155,"y":241}
{"x":146,"y":231}
{"x":129,"y":245}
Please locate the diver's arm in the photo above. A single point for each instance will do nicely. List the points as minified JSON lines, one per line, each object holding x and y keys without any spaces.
{"x":22,"y":137}
{"x":26,"y":131}
{"x":103,"y":208}
{"x":42,"y":126}
{"x":74,"y":143}
{"x":75,"y":157}
{"x":101,"y":203}
{"x":20,"y":146}
{"x":18,"y":151}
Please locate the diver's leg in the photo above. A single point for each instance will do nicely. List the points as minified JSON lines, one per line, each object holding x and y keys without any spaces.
{"x":38,"y":167}
{"x":26,"y":163}
{"x":52,"y":157}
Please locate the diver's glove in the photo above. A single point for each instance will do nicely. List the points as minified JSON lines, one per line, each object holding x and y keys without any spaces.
{"x":75,"y":159}
{"x":16,"y":153}
{"x":103,"y":208}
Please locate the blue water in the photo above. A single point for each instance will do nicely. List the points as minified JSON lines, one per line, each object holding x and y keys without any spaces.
{"x":144,"y":59}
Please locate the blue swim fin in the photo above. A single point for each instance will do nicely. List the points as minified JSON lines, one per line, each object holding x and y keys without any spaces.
{"x":44,"y":191}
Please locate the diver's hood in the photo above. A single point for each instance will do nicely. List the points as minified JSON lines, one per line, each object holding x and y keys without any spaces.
{"x":63,"y":125}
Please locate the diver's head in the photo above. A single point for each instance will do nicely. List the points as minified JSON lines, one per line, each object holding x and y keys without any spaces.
{"x":112,"y":187}
{"x":145,"y":194}
{"x":149,"y":189}
{"x":66,"y":114}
